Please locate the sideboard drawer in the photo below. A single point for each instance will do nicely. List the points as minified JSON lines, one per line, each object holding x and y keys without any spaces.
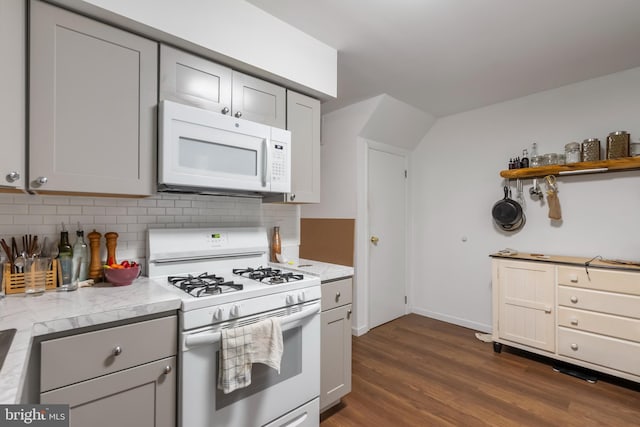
{"x":336,"y":294}
{"x":600,"y":350}
{"x":603,"y":302}
{"x":606,"y":324}
{"x":600,"y":279}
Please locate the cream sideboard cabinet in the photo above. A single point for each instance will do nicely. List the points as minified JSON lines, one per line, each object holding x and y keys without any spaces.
{"x":588,"y":316}
{"x":335,"y":358}
{"x":119,"y":376}
{"x":191,"y":79}
{"x":12,"y":87}
{"x":92,"y":105}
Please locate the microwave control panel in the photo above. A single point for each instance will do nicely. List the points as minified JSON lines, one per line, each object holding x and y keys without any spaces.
{"x":281,"y":163}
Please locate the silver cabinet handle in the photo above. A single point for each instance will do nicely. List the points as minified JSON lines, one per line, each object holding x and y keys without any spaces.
{"x":225,"y":110}
{"x":574,"y":346}
{"x":41,"y":180}
{"x":265,"y":161}
{"x":337,"y":296}
{"x":348,"y":314}
{"x":292,"y":197}
{"x":238,"y":114}
{"x":13,"y":176}
{"x":117,"y":351}
{"x":167,"y":369}
{"x":573,"y":299}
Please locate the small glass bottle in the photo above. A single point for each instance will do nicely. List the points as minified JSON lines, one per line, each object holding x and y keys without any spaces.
{"x":276,"y":245}
{"x":524,"y":162}
{"x":80,"y":258}
{"x":65,"y":259}
{"x":572,"y":153}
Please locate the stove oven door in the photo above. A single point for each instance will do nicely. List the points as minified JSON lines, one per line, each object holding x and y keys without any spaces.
{"x":270,"y":395}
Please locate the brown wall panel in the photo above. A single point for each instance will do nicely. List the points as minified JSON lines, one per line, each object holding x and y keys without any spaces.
{"x":328,"y":240}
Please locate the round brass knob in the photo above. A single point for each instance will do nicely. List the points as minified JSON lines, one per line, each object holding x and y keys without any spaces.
{"x":375,"y":240}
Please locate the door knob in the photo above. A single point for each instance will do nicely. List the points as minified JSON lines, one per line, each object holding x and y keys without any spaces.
{"x":375,"y":240}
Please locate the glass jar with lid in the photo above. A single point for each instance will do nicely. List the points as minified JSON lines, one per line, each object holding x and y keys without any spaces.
{"x":572,"y":153}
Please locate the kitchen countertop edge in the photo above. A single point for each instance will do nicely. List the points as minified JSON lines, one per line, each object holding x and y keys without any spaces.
{"x":324,"y":270}
{"x":568,"y":260}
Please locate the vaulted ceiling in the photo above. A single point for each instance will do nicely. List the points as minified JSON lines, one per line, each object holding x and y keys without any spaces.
{"x":449,"y":56}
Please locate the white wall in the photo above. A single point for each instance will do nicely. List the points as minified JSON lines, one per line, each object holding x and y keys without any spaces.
{"x":232,"y":31}
{"x":455,"y":183}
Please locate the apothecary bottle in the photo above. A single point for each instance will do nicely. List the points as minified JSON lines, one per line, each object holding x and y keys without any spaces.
{"x":80,"y":258}
{"x":65,"y":259}
{"x":572,"y":153}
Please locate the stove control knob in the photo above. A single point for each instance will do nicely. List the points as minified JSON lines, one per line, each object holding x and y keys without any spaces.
{"x":301,"y":297}
{"x":235,"y":311}
{"x":217,"y":314}
{"x":290,"y":300}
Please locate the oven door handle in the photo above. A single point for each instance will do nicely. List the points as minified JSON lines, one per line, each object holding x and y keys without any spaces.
{"x":288,"y":322}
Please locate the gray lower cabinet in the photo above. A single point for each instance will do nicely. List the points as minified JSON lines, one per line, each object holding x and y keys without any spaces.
{"x":124,"y":375}
{"x":92,"y":105}
{"x":12,"y":87}
{"x":335,"y":359}
{"x":191,"y":79}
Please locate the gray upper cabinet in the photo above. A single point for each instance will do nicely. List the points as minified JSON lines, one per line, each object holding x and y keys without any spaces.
{"x":190,"y":79}
{"x":12,"y":88}
{"x":259,"y":101}
{"x":194,"y":80}
{"x":93,"y":94}
{"x":303,"y":120}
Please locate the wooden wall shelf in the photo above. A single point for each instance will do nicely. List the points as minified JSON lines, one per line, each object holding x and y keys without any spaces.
{"x":600,"y":166}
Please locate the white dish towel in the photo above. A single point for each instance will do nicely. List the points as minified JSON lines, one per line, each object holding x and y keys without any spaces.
{"x":259,"y":342}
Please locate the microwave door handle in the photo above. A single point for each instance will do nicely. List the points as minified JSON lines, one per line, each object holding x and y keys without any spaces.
{"x":265,"y":150}
{"x":286,"y":323}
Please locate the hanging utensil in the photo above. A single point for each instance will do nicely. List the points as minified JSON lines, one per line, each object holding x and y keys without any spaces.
{"x":535,"y":191}
{"x":552,"y":198}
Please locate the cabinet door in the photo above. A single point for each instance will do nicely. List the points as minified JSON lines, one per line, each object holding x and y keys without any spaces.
{"x":12,"y":87}
{"x":194,"y":80}
{"x":93,"y":94}
{"x":526,"y":303}
{"x":335,"y":364}
{"x":259,"y":101}
{"x":144,"y":396}
{"x":303,"y":120}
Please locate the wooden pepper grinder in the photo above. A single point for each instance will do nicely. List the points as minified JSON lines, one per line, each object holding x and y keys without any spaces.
{"x":95,"y":268}
{"x":112,"y":242}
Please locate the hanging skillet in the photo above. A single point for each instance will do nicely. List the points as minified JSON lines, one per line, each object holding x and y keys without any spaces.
{"x":507,"y":213}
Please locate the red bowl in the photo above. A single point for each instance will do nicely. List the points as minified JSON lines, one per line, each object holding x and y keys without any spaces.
{"x":121,"y":276}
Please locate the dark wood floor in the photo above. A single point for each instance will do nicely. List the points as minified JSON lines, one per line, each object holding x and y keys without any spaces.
{"x":417,"y":371}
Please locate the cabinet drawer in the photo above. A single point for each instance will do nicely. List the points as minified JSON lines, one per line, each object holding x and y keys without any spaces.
{"x":605,"y":351}
{"x":80,"y":357}
{"x":606,"y":324}
{"x":335,"y":294}
{"x":603,"y":302}
{"x":599,"y":279}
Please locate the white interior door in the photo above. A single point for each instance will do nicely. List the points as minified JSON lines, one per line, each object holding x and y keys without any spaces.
{"x":386,"y":199}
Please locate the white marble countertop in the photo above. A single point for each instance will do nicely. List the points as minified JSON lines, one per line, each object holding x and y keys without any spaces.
{"x":326,"y":271}
{"x":53,"y":311}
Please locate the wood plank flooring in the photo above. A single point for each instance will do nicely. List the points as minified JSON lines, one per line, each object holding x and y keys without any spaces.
{"x":417,"y":371}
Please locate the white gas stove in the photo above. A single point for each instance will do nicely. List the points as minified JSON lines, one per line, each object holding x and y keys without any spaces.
{"x":224,"y":280}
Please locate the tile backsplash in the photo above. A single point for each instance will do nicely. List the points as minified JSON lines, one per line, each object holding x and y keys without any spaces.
{"x":22,"y":214}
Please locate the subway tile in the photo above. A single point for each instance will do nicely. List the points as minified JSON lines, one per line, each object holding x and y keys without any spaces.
{"x":27,"y":219}
{"x":147,"y":203}
{"x":147,"y":219}
{"x":105,"y":219}
{"x":105,"y":201}
{"x":170,"y":196}
{"x":69,"y":210}
{"x":13,"y":230}
{"x":156,"y":211}
{"x":6,"y":219}
{"x":54,"y":219}
{"x":173,"y":211}
{"x":167,"y":203}
{"x":183,"y":203}
{"x":117,"y":228}
{"x":15,"y":209}
{"x":134,"y":211}
{"x":93,"y":210}
{"x":127,"y":202}
{"x":115,"y":210}
{"x":136,"y":227}
{"x":126,"y":219}
{"x":6,"y":198}
{"x":84,"y":220}
{"x":167,"y":219}
{"x":81,"y":201}
{"x":41,"y":209}
{"x":190,"y":211}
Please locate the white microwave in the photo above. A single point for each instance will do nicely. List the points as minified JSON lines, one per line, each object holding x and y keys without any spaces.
{"x":206,"y":152}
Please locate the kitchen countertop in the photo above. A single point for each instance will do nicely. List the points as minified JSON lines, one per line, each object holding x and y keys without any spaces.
{"x":326,"y":271}
{"x":576,"y":261}
{"x":35,"y":316}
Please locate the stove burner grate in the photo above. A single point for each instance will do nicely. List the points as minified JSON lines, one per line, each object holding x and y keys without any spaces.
{"x":203,"y":284}
{"x":268,"y":275}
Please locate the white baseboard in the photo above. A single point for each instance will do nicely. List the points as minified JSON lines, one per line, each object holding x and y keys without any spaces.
{"x":359,"y":330}
{"x":481,"y":327}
